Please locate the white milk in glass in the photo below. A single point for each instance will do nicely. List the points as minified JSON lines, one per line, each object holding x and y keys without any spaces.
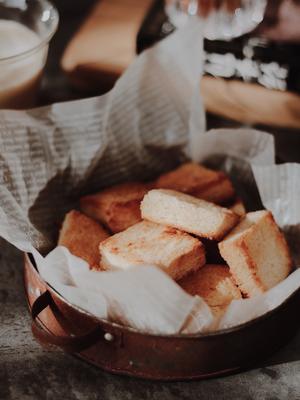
{"x":19,"y":74}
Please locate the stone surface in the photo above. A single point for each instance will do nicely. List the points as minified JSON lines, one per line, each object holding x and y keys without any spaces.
{"x":28,"y":372}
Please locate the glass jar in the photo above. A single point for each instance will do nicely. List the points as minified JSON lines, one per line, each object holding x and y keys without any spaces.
{"x":26,"y":28}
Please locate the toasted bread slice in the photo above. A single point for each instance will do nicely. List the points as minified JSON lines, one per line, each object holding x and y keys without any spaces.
{"x":257,"y":253}
{"x":176,"y":252}
{"x":188,"y":213}
{"x":198,"y":181}
{"x":117,"y":207}
{"x":238,"y":207}
{"x":82,"y":236}
{"x":214,"y":284}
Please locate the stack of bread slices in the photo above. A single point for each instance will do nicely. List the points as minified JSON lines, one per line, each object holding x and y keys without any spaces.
{"x":190,"y":224}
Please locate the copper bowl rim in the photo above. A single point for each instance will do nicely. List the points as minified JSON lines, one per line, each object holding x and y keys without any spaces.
{"x":125,"y":328}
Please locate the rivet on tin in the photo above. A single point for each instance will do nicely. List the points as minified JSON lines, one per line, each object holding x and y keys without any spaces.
{"x":30,"y":289}
{"x":108,"y":336}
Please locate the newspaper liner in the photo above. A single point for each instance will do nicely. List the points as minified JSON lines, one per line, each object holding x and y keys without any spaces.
{"x":152,"y":120}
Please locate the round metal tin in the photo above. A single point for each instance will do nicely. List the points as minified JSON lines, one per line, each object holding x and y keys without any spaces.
{"x":123,"y":350}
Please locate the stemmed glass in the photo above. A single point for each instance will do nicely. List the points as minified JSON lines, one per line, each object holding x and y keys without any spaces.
{"x":221,"y":23}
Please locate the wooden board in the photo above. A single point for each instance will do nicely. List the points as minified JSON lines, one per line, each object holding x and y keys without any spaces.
{"x":105,"y":44}
{"x":250,"y":103}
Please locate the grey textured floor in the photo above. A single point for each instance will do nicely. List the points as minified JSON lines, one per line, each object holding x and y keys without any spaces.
{"x":28,"y":372}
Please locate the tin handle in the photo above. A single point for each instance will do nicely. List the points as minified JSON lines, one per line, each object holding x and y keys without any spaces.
{"x":70,"y":344}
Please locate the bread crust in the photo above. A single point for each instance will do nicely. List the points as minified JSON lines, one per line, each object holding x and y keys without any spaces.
{"x":82,"y":235}
{"x":257,"y":253}
{"x":188,"y":213}
{"x":214,"y":284}
{"x":117,"y":207}
{"x":198,"y":181}
{"x":147,"y":243}
{"x":238,"y":207}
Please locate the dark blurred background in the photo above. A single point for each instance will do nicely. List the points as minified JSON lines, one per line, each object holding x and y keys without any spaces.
{"x":234,"y":101}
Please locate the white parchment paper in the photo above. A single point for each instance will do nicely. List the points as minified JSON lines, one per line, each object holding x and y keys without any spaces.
{"x":52,"y":155}
{"x":150,"y":122}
